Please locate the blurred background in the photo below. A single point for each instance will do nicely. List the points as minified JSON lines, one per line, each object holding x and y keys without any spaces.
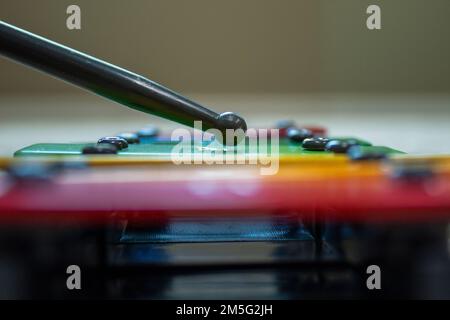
{"x":313,"y":61}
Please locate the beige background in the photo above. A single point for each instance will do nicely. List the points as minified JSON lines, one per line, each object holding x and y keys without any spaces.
{"x":309,"y":60}
{"x":248,"y":45}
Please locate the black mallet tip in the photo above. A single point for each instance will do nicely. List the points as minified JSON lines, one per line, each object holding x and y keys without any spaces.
{"x":230,"y":120}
